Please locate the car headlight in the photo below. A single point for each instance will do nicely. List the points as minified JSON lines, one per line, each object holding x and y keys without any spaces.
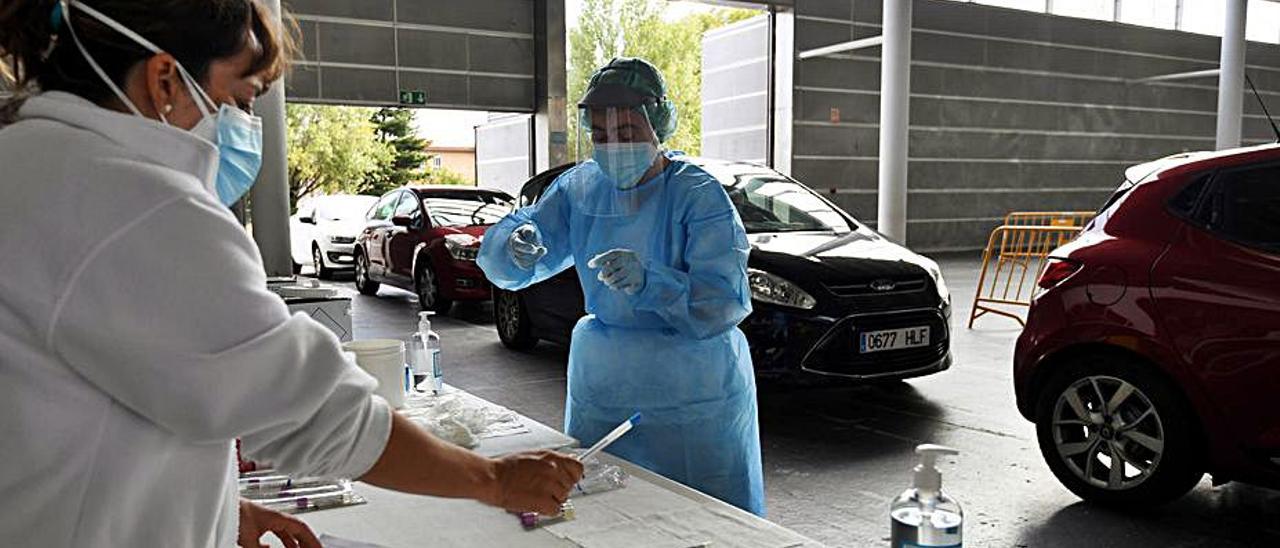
{"x":768,"y":288}
{"x":936,"y":273}
{"x":342,"y":239}
{"x":462,"y":247}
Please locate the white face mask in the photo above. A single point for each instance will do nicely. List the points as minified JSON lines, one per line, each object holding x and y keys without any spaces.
{"x":238,"y":135}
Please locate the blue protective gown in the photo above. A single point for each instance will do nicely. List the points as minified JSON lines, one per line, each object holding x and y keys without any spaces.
{"x":673,"y":350}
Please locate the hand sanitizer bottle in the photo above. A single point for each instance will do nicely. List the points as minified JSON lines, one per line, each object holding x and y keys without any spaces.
{"x":923,"y":516}
{"x":430,"y":365}
{"x":419,"y":365}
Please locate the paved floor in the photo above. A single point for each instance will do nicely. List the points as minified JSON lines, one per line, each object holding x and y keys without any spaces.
{"x":834,"y":458}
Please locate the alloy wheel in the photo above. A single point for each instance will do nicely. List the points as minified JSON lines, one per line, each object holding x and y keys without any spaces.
{"x":317,"y":262}
{"x":1108,"y":432}
{"x":362,"y":272}
{"x":426,"y":288}
{"x":508,"y":309}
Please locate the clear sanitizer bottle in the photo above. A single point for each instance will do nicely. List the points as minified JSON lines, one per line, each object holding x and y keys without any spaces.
{"x":429,"y":366}
{"x":923,"y":516}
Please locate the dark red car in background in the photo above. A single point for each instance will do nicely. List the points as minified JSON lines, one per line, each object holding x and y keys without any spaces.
{"x":425,"y":240}
{"x":1152,"y":355}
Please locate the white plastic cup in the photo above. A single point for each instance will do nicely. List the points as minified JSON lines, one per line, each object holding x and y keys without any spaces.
{"x":384,"y":359}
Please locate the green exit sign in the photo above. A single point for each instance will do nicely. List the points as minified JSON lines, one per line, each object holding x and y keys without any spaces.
{"x":413,"y":97}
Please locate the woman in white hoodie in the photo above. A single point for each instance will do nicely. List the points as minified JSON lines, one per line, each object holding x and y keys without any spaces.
{"x":137,"y":337}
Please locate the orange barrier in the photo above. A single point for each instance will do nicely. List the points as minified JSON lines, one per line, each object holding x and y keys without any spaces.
{"x":1048,"y":218}
{"x":1016,"y":254}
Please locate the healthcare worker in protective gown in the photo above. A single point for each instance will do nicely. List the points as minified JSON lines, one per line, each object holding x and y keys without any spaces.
{"x":662,"y":255}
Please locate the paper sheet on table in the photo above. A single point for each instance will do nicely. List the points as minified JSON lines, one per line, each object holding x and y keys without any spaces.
{"x":330,"y":541}
{"x":619,"y":507}
{"x":643,"y":514}
{"x":703,"y":526}
{"x":721,"y":527}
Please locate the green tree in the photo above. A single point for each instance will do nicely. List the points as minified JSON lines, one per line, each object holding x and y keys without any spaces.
{"x":332,"y":149}
{"x":445,"y":176}
{"x":635,"y":28}
{"x":395,"y":128}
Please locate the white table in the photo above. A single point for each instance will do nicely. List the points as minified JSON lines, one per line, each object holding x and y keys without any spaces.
{"x":396,"y":520}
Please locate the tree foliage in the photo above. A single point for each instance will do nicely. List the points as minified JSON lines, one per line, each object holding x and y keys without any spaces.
{"x":395,"y":128}
{"x":445,"y":176}
{"x":635,"y":28}
{"x":332,"y":149}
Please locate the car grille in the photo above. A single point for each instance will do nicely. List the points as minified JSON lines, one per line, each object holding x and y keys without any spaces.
{"x":885,"y":286}
{"x":343,"y":239}
{"x":838,"y":354}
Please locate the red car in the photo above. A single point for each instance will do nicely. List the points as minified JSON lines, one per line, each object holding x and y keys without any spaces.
{"x":1152,"y":354}
{"x":425,"y":240}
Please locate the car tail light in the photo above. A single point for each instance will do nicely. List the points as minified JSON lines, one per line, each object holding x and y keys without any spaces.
{"x":1057,"y":271}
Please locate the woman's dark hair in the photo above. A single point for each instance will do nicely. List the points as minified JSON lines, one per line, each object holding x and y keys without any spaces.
{"x":195,"y":32}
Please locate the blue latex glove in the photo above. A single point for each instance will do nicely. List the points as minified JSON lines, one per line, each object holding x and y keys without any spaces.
{"x":526,"y":247}
{"x":620,"y":270}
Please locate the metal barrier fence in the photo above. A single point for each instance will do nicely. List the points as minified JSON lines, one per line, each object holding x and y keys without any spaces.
{"x":1016,"y":254}
{"x":1048,"y":218}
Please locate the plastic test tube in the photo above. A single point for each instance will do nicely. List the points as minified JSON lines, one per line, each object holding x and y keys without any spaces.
{"x":532,"y":520}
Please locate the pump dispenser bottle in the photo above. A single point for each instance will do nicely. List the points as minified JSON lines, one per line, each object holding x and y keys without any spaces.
{"x":433,"y":351}
{"x":424,"y":351}
{"x":923,"y":516}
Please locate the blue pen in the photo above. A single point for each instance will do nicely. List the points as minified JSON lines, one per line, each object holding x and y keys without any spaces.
{"x":612,"y":437}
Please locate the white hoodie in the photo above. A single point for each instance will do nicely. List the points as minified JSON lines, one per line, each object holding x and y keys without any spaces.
{"x":138,"y":339}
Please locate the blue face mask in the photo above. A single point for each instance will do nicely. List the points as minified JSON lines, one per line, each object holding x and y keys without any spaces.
{"x":625,"y":163}
{"x":239,"y":139}
{"x":237,"y":134}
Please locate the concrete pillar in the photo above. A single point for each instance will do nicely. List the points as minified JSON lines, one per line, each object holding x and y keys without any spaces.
{"x":1231,"y":78}
{"x":550,"y":123}
{"x":270,"y":195}
{"x":895,"y":97}
{"x":783,"y":96}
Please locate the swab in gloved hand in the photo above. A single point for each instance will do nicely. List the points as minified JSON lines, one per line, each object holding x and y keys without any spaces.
{"x":525,"y":246}
{"x":620,"y":270}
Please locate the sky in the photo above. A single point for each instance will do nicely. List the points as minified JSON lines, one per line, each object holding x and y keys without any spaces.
{"x":675,"y":10}
{"x":449,"y":128}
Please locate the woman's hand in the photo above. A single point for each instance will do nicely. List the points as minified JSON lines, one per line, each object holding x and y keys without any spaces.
{"x":534,"y":482}
{"x":256,"y":521}
{"x":620,"y":270}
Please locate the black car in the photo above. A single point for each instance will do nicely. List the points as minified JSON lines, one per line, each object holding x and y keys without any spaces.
{"x":830,"y":296}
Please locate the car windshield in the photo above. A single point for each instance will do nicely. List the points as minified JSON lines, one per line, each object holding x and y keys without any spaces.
{"x":775,"y":204}
{"x":467,"y":208}
{"x":344,"y":208}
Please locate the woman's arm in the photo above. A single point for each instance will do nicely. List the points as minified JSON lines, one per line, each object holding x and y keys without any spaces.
{"x":414,"y":461}
{"x":550,"y":219}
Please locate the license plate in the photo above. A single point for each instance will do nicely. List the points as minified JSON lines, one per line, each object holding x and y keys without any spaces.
{"x":893,"y":339}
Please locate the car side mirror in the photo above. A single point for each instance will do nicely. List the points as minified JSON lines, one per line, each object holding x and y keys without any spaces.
{"x":307,"y":220}
{"x":406,"y":222}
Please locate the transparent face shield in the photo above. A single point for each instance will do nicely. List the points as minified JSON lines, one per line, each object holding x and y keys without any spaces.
{"x":618,"y":156}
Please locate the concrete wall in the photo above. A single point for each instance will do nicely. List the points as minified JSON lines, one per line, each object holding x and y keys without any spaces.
{"x":735,"y":91}
{"x":478,"y":54}
{"x":1010,"y":110}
